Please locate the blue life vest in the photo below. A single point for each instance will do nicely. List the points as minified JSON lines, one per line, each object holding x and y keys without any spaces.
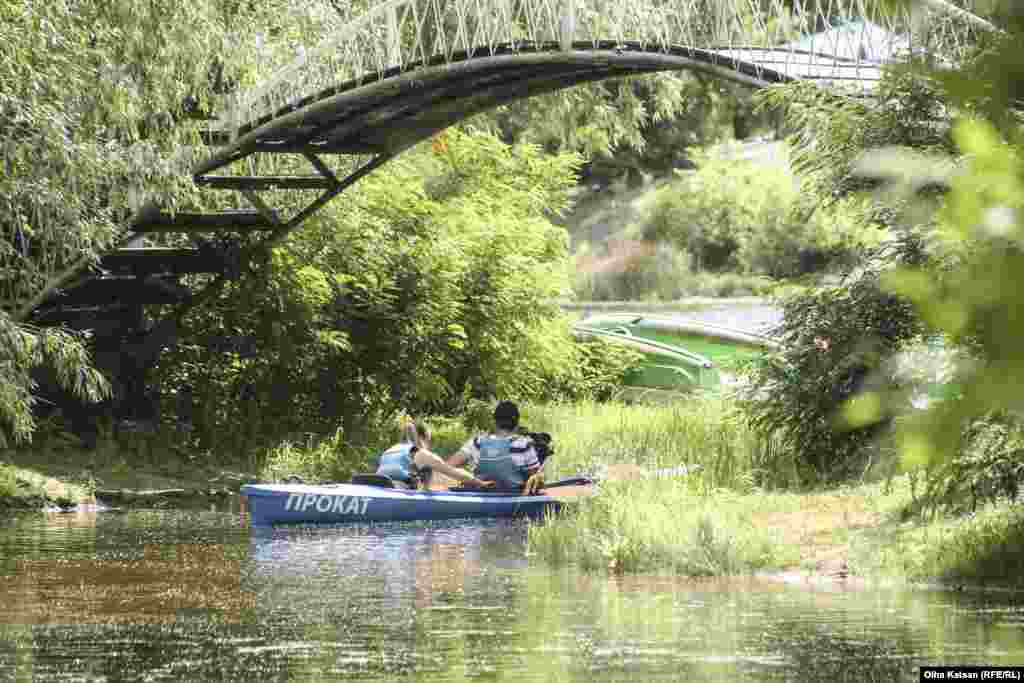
{"x":397,"y":463}
{"x":504,"y":461}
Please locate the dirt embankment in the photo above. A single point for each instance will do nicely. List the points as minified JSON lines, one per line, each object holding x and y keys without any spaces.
{"x":822,"y":530}
{"x":44,"y":478}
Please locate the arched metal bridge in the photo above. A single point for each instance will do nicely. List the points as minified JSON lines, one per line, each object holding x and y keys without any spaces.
{"x":407,"y":69}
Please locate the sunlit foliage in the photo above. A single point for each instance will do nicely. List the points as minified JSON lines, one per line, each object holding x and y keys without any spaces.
{"x":95,"y":100}
{"x":429,"y":285}
{"x":945,"y":172}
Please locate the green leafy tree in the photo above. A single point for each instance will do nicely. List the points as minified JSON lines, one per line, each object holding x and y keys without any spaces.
{"x":430,"y":287}
{"x":96,"y":107}
{"x":740,"y":216}
{"x":836,"y":343}
{"x":946,"y":172}
{"x":632,"y":127}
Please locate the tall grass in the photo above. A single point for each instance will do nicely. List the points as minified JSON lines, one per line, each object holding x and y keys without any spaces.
{"x":327,"y":459}
{"x":668,"y":525}
{"x":699,"y":430}
{"x":697,"y":525}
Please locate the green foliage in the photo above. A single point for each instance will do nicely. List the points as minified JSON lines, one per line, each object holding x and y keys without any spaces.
{"x":429,"y":286}
{"x":660,"y":274}
{"x":989,"y":466}
{"x":733,"y":215}
{"x":327,"y":459}
{"x":23,"y":349}
{"x":974,"y":299}
{"x":629,"y":127}
{"x":973,"y":295}
{"x":704,"y":431}
{"x":96,"y":98}
{"x":708,"y":213}
{"x":864,"y":322}
{"x":660,"y":525}
{"x":983,"y":548}
{"x":835,"y":345}
{"x":94,"y":123}
{"x":830,"y":132}
{"x":595,"y":371}
{"x":8,"y":481}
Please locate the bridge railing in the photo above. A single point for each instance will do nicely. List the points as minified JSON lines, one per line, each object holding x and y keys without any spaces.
{"x":831,"y":40}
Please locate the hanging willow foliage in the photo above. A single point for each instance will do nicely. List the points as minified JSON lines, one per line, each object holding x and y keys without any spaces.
{"x":97,"y":105}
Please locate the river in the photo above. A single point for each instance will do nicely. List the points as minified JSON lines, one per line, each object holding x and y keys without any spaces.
{"x":199,"y":596}
{"x":754,"y":316}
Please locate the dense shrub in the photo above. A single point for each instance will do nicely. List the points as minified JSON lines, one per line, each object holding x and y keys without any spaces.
{"x":651,"y":272}
{"x":654,"y":273}
{"x":836,"y":343}
{"x":708,"y":212}
{"x":990,"y":465}
{"x":428,"y":286}
{"x":738,"y":216}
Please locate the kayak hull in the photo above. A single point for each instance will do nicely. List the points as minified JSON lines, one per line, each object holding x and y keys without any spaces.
{"x":340,"y":503}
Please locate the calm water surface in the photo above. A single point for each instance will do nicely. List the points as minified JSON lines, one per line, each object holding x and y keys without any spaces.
{"x":752,"y":317}
{"x":759,"y":318}
{"x":198,"y":596}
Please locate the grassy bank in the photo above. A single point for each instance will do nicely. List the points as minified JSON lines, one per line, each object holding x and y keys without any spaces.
{"x":737,"y":515}
{"x":56,"y":468}
{"x":660,"y":526}
{"x":27,"y":488}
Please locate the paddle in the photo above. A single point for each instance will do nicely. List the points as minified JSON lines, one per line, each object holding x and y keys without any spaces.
{"x":617,"y":472}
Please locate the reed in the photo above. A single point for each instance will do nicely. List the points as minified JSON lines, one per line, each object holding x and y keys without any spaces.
{"x":662,"y":525}
{"x":698,"y":430}
{"x":698,"y":525}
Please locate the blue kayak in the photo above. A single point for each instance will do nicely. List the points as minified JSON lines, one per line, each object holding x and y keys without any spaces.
{"x":333,"y":503}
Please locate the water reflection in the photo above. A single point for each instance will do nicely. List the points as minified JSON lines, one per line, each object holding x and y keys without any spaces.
{"x":392,"y":565}
{"x":198,"y":596}
{"x":90,"y":567}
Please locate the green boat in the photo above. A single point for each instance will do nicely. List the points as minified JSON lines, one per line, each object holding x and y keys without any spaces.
{"x":679,"y":354}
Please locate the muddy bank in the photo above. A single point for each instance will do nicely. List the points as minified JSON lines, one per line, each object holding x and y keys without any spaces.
{"x":164,"y":498}
{"x":123,"y":499}
{"x":35,"y":481}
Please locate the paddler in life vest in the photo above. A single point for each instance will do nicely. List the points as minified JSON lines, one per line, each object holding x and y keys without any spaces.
{"x":410,"y":462}
{"x":503,"y":456}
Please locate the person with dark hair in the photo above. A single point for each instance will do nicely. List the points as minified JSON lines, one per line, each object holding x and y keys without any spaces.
{"x":503,"y":456}
{"x":410,"y":462}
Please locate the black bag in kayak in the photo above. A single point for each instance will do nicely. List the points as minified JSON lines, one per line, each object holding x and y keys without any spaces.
{"x":541,"y":444}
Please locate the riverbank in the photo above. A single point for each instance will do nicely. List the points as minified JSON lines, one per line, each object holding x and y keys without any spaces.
{"x":738,"y":515}
{"x":139,"y":471}
{"x":856,"y":536}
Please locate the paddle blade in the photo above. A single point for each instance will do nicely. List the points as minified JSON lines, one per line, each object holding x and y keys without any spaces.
{"x":623,"y":472}
{"x":570,"y":493}
{"x":628,"y":472}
